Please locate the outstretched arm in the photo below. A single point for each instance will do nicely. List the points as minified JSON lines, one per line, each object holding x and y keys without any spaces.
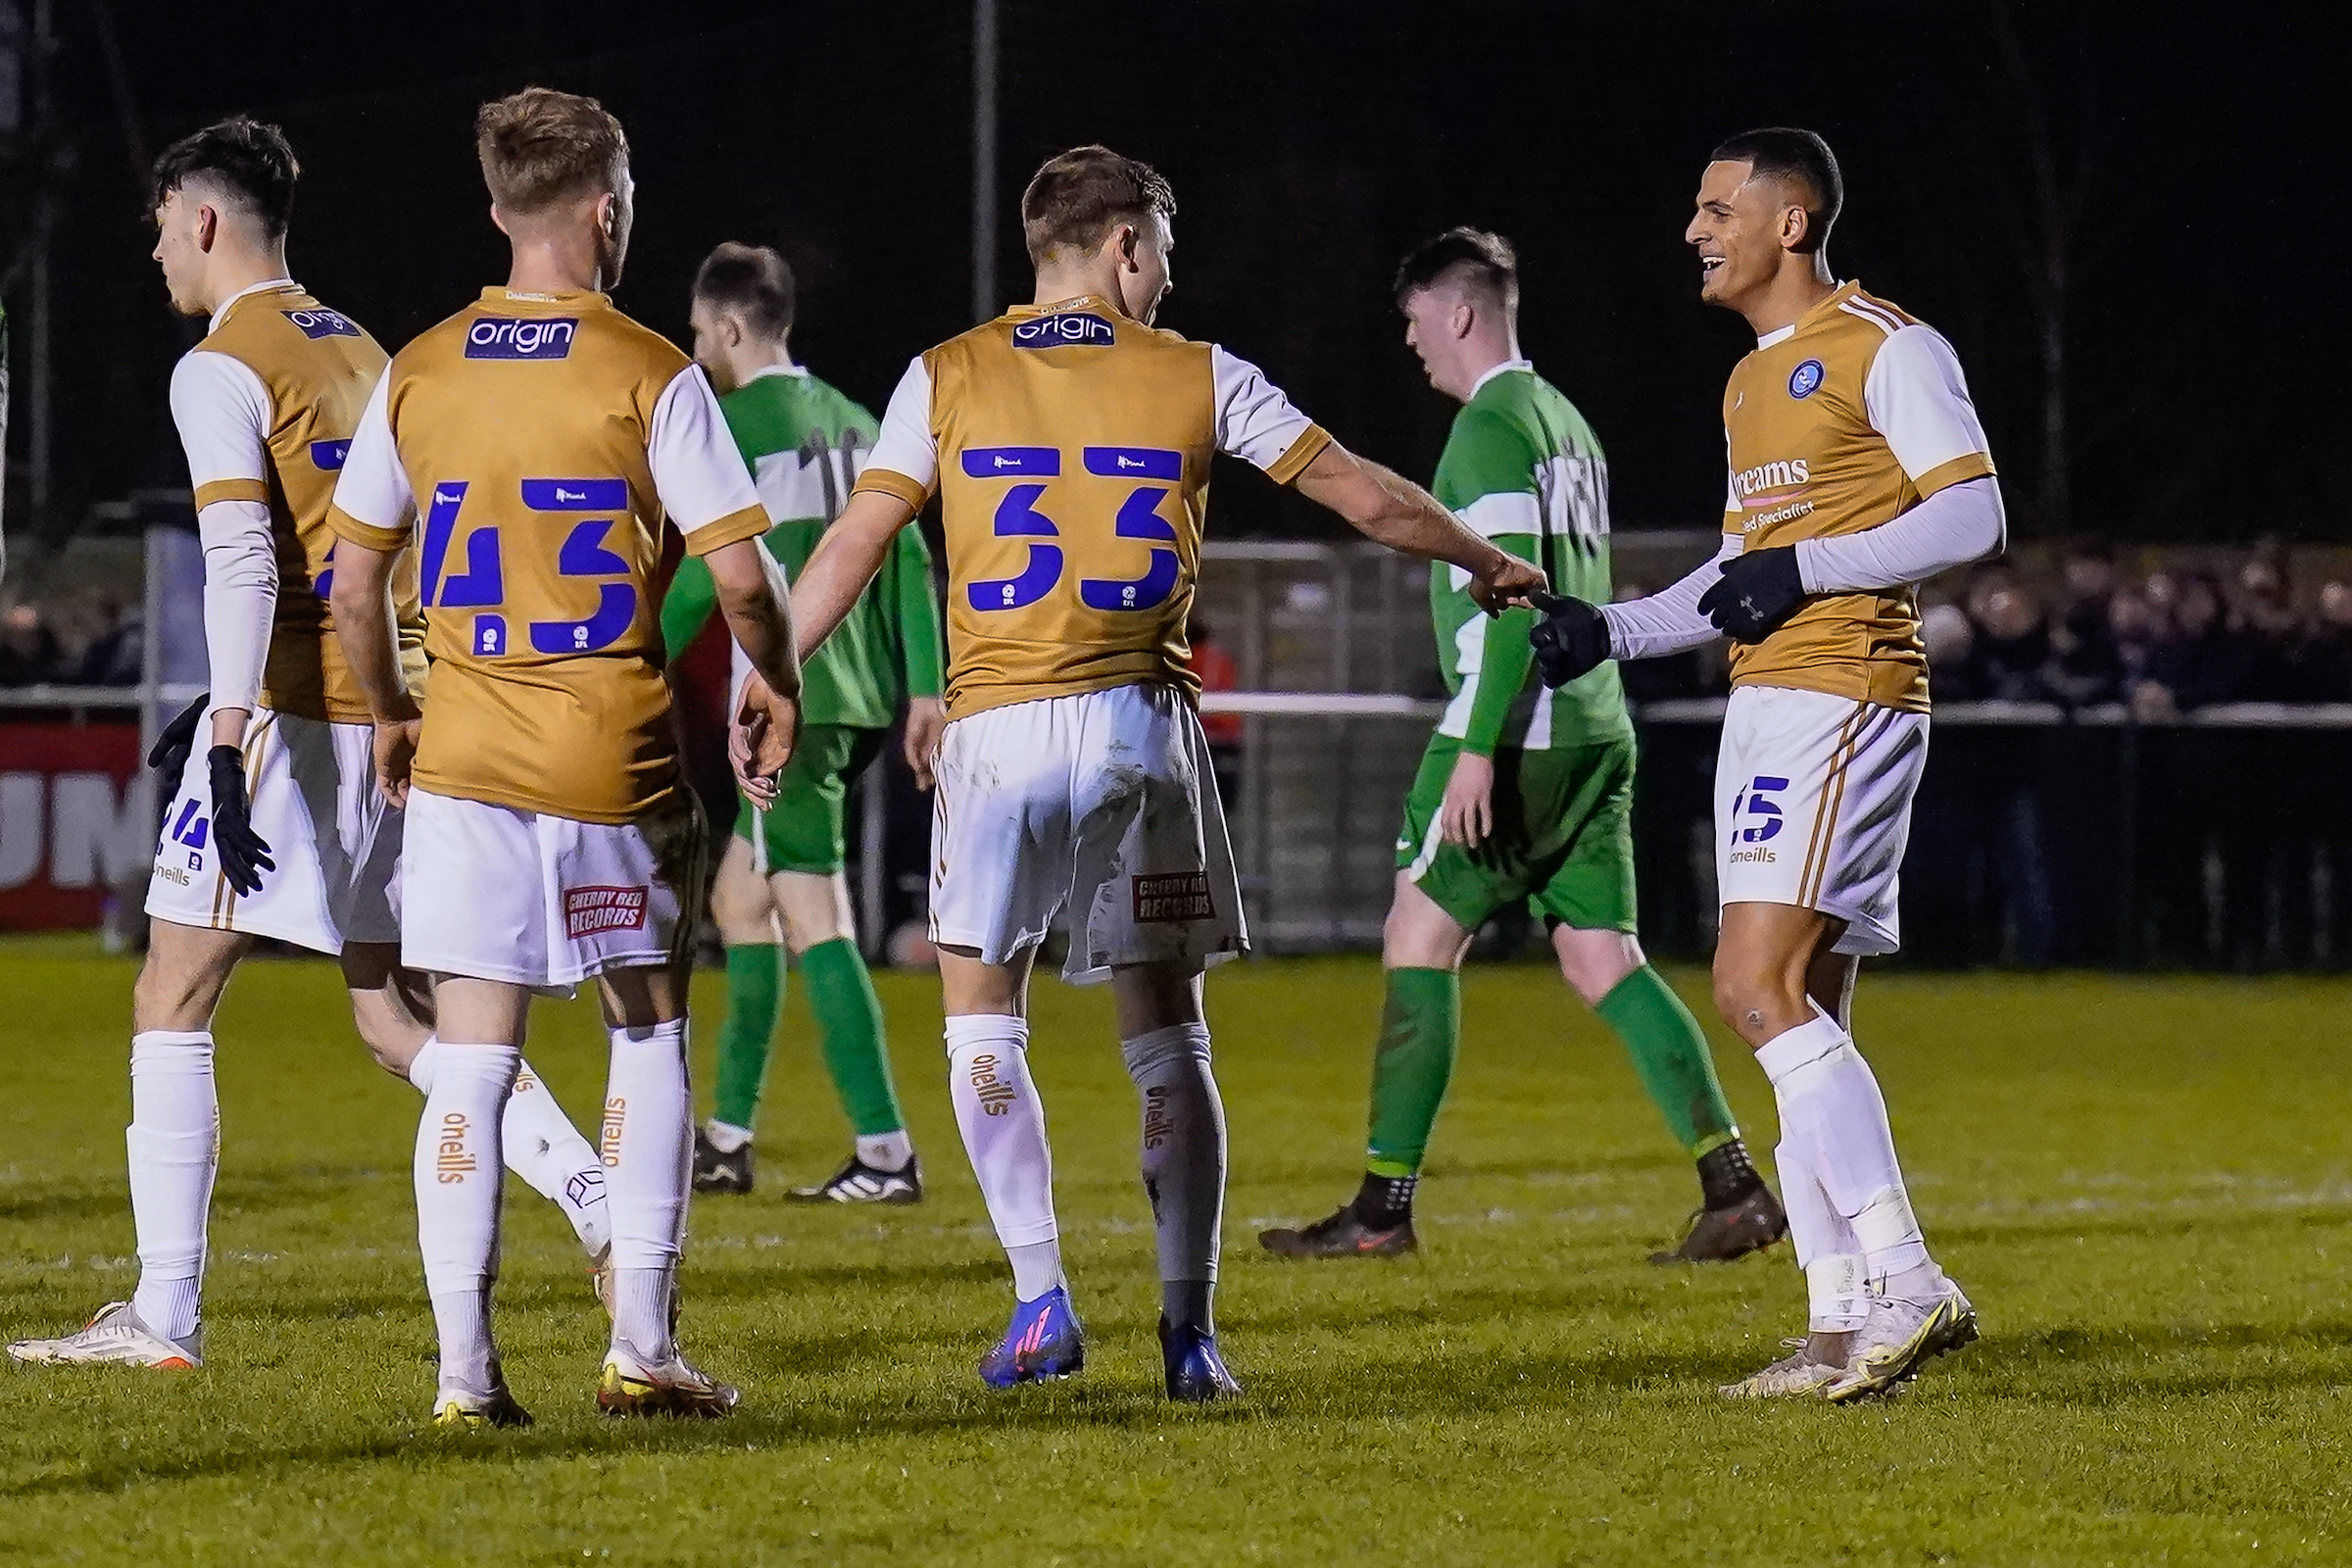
{"x":1391,"y":509}
{"x":852,"y":550}
{"x":1669,"y":621}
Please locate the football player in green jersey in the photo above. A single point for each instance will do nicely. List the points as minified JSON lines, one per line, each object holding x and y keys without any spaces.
{"x":1525,"y":794}
{"x":802,"y":440}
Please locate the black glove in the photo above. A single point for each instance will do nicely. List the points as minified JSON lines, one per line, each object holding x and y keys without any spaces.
{"x":244,"y":855}
{"x":1758,"y":591}
{"x":170,"y":754}
{"x":1571,"y":639}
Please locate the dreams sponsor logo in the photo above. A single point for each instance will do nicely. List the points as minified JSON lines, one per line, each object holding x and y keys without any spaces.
{"x":506,"y":337}
{"x":589,"y":910}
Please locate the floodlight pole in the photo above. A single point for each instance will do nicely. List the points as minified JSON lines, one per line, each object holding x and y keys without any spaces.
{"x":985,"y":300}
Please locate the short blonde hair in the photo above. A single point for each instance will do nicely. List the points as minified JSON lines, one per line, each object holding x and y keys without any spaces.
{"x":539,"y":147}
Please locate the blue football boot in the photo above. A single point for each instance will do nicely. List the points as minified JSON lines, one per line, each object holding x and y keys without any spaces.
{"x":1196,"y":1372}
{"x":1043,"y":1341}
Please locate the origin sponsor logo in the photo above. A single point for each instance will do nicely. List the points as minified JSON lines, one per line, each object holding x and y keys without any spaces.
{"x":589,"y":910}
{"x":453,"y":1161}
{"x":996,"y":1094}
{"x":318,"y":322}
{"x":1178,"y":896}
{"x":1063,"y":329}
{"x":1771,"y":476}
{"x":506,"y":337}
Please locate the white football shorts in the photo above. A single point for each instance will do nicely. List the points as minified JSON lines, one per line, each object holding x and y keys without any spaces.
{"x":1102,"y":802}
{"x":1813,"y":807}
{"x":497,"y":893}
{"x":314,"y":801}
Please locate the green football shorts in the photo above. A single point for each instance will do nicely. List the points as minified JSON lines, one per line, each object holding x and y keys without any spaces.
{"x":1564,"y":837}
{"x":802,"y":830}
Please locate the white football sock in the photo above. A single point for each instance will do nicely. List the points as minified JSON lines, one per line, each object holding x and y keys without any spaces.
{"x":725,"y":1135}
{"x":886,"y":1150}
{"x":1826,"y":1249}
{"x":459,"y":1176}
{"x":1003,"y":1126}
{"x":649,"y":1158}
{"x":1832,"y":1110}
{"x":542,"y":1147}
{"x":174,"y":1144}
{"x":1184,"y":1148}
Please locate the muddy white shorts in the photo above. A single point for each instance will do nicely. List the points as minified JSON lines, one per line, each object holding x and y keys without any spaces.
{"x":1102,"y":803}
{"x":495,"y":893}
{"x":314,"y":801}
{"x":1813,"y":807}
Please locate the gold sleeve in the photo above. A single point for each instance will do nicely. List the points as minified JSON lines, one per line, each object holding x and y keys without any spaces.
{"x":1302,"y":452}
{"x":890,"y":483}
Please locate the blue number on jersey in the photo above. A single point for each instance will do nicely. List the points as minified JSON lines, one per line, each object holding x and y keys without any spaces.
{"x":1137,"y":517}
{"x":582,"y":554}
{"x":482,"y":583}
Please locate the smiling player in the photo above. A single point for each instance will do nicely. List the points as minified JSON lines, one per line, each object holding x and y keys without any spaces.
{"x":1858,"y":470}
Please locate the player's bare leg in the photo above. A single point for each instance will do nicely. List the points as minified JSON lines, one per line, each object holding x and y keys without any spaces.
{"x":1880,"y":1307}
{"x":173,"y":1144}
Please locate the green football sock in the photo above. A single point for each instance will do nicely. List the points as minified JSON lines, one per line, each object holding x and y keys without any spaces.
{"x":754,"y":996}
{"x":1420,"y":1028}
{"x":849,"y":1016}
{"x":1671,"y":1055}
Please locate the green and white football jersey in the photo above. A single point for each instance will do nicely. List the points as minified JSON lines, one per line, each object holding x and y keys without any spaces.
{"x":1523,"y":468}
{"x":804,"y":442}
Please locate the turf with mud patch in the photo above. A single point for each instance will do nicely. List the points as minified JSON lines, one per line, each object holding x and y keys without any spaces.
{"x":2144,"y":1184}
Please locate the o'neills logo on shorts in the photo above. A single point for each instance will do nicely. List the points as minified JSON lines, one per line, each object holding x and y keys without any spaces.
{"x":588,"y":910}
{"x":1177,"y":896}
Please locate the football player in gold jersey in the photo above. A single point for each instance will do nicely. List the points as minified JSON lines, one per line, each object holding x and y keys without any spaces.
{"x":274,"y":828}
{"x":557,"y":446}
{"x":1070,"y":444}
{"x":1858,"y":470}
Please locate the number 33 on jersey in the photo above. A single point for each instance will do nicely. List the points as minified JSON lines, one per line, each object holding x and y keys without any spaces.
{"x":1070,"y":447}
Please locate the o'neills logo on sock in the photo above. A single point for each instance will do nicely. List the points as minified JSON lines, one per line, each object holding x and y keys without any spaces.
{"x":588,"y":910}
{"x":607,"y":1142}
{"x":453,"y":1161}
{"x":996,"y":1094}
{"x":1157,"y":1123}
{"x":1178,"y":896}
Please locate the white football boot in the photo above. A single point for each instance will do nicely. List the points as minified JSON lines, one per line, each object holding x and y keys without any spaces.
{"x":115,"y":1336}
{"x":1899,"y":1337}
{"x":631,"y":1385}
{"x":457,"y":1408}
{"x":1793,"y":1377}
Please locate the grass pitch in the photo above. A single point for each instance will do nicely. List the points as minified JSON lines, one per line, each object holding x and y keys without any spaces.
{"x":2143,"y":1184}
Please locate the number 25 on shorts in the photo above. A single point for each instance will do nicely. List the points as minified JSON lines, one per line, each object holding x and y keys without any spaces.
{"x":1755,"y":806}
{"x":1137,"y":517}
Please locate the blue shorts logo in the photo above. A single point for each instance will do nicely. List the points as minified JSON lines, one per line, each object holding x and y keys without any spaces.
{"x":1063,"y":329}
{"x":503,"y":337}
{"x":318,"y":322}
{"x":1805,"y":380}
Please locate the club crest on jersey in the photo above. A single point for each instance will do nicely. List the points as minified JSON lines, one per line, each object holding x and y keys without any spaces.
{"x":318,"y":322}
{"x":1805,"y":380}
{"x":589,"y":910}
{"x":530,"y":337}
{"x":1063,"y":329}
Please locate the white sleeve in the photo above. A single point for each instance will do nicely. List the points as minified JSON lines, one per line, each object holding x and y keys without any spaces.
{"x":699,"y":471}
{"x":223,"y":411}
{"x":906,"y":445}
{"x":374,"y":489}
{"x":1255,"y":421}
{"x":1957,"y":524}
{"x":1916,"y":399}
{"x":1668,"y":622}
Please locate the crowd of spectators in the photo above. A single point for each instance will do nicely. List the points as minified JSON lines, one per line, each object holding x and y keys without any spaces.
{"x":2086,"y":633}
{"x":81,"y":641}
{"x":2163,"y":643}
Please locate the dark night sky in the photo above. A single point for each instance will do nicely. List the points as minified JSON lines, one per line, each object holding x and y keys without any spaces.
{"x":1309,"y":145}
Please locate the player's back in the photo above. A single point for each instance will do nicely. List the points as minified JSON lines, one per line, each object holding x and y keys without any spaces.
{"x":315,"y":367}
{"x":1074,"y":449}
{"x":524,"y":425}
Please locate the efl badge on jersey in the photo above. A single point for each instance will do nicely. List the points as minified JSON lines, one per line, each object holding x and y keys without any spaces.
{"x":506,"y":337}
{"x":318,"y":322}
{"x":1065,"y":329}
{"x":1805,"y":380}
